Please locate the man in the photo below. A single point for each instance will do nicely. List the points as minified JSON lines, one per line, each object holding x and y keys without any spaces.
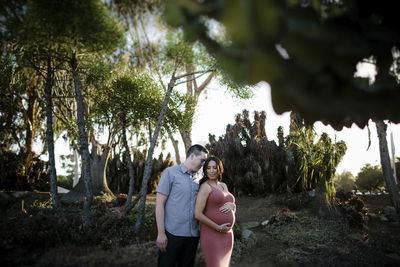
{"x":178,"y":233}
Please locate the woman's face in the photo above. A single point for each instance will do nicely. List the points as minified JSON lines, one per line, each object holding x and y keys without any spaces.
{"x":212,"y":170}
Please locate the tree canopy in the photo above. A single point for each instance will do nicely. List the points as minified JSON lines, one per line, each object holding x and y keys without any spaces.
{"x":307,"y":51}
{"x":369,"y":178}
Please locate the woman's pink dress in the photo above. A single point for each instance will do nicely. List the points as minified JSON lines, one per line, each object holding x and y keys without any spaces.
{"x":217,"y":247}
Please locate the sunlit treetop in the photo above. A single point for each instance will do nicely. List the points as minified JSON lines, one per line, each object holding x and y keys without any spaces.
{"x":308,"y":51}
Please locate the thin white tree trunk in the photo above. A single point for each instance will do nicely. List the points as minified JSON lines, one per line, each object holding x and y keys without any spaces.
{"x":128,"y":204}
{"x":148,"y":165}
{"x":50,"y":145}
{"x":83,"y":144}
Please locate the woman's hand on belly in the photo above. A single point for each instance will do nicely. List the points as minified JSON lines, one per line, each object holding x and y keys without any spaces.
{"x":227,"y":207}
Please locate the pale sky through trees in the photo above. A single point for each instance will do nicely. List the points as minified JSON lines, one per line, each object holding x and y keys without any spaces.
{"x":219,"y":109}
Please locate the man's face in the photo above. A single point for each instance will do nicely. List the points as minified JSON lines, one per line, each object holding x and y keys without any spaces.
{"x":198,"y":161}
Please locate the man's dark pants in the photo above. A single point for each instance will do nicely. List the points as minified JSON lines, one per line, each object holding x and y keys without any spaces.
{"x":180,"y":250}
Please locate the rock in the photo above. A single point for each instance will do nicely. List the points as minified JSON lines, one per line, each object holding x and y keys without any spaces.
{"x":248,"y":234}
{"x":264,"y":222}
{"x":384,"y":219}
{"x":311,"y":193}
{"x":249,"y":225}
{"x":62,"y":190}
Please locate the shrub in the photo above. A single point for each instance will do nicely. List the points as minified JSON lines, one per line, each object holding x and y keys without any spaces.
{"x":23,"y":171}
{"x":118,"y":177}
{"x":255,"y":165}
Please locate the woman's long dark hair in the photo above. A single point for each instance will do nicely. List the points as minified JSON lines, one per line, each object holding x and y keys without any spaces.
{"x":220,"y":168}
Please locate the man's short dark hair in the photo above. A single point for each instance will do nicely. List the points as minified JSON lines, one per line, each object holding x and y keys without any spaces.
{"x":196,"y":149}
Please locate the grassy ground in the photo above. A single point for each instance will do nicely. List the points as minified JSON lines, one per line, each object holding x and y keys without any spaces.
{"x":32,"y":236}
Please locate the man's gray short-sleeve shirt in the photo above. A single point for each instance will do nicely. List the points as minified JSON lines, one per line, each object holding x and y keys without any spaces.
{"x":181,"y":190}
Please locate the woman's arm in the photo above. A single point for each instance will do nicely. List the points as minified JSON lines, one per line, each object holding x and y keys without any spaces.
{"x":201,"y":201}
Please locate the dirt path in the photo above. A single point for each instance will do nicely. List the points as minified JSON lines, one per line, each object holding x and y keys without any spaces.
{"x":258,"y":210}
{"x":263,"y":253}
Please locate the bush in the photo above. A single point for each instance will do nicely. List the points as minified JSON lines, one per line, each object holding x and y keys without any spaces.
{"x":23,"y":171}
{"x":352,"y":207}
{"x":118,"y":176}
{"x":255,"y":165}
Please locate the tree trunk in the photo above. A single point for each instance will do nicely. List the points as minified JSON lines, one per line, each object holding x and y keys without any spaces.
{"x":193,"y":91}
{"x":30,"y":119}
{"x":50,"y":145}
{"x":98,"y":163}
{"x":83,"y":143}
{"x":128,"y":205}
{"x":186,"y":137}
{"x":147,"y":168}
{"x":176,"y":147}
{"x":385,"y":162}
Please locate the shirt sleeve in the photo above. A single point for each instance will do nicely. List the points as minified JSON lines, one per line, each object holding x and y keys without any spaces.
{"x":164,"y":185}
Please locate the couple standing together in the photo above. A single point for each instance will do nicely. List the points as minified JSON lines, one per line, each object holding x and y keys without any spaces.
{"x":183,"y":200}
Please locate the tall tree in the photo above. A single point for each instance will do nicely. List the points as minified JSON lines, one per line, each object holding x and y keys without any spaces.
{"x":34,"y":70}
{"x":159,"y":53}
{"x":130,"y":101}
{"x":386,"y":166}
{"x":78,"y":29}
{"x":369,"y":178}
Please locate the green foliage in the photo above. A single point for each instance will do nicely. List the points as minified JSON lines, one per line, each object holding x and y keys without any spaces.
{"x":255,"y":165}
{"x":117,"y":171}
{"x":306,"y":50}
{"x":131,"y":98}
{"x":65,"y":181}
{"x":344,"y":182}
{"x":313,"y":161}
{"x":370,"y":178}
{"x":83,"y":25}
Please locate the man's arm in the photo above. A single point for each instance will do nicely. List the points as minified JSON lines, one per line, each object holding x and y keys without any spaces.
{"x":160,"y":208}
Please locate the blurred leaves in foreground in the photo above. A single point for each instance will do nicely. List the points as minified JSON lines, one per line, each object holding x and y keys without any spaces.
{"x":308,"y":51}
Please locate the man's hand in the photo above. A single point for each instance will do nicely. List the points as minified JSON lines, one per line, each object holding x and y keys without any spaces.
{"x":162,"y":242}
{"x":227,"y":207}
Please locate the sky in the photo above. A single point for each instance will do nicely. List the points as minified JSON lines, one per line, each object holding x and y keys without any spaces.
{"x":216,"y":109}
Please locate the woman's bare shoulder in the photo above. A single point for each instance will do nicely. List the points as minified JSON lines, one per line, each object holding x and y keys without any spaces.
{"x":205,"y":187}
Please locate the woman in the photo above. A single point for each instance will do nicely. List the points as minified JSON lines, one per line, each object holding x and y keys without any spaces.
{"x":215,"y":209}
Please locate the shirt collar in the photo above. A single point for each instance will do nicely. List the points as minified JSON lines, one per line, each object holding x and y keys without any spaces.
{"x":184,"y":169}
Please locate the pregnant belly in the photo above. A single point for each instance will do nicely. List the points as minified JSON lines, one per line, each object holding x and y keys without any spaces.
{"x":219,"y":217}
